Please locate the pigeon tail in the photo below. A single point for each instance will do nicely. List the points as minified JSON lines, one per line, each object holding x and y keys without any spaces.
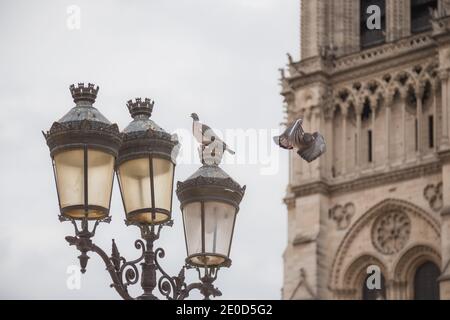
{"x":282,"y":142}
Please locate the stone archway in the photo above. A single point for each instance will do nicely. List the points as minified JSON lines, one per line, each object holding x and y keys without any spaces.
{"x":367,"y":243}
{"x":406,"y":266}
{"x":356,"y":274}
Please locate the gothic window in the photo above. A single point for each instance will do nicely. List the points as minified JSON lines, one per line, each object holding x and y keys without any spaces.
{"x":374,"y":294}
{"x":367,"y":111}
{"x":370,"y":35}
{"x":420,"y":14}
{"x":366,"y":117}
{"x":416,"y":134}
{"x":426,"y":286}
{"x":431,"y":131}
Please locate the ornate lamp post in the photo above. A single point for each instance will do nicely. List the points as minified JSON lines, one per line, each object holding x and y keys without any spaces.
{"x":85,"y":148}
{"x":209,"y":202}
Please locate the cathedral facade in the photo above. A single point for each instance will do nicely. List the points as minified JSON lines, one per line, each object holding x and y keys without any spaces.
{"x":380,"y":196}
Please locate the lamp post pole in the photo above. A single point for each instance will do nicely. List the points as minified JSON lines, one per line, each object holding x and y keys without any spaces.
{"x":86,"y":149}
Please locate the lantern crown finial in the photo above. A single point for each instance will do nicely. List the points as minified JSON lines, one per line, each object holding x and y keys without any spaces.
{"x":84,"y":93}
{"x":140,"y":107}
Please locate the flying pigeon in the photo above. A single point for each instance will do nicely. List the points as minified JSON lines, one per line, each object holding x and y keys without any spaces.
{"x":310,"y":146}
{"x":205,"y":135}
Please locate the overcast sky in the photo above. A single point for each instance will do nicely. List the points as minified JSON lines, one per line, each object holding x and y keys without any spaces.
{"x":217,"y":58}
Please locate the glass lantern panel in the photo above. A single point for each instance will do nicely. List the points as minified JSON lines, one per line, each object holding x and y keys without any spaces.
{"x":100,"y":178}
{"x":163,"y":182}
{"x":69,"y":171}
{"x":219,"y":220}
{"x":193,"y":227}
{"x":134,"y":178}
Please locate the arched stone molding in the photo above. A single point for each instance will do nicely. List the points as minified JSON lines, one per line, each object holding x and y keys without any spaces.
{"x":409,"y":95}
{"x":343,"y":279}
{"x":356,"y":273}
{"x":406,"y":266}
{"x":389,"y":84}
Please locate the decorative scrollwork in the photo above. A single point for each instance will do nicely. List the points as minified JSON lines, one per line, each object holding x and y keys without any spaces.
{"x":129,"y":270}
{"x":167,"y":285}
{"x":125,"y":273}
{"x":131,"y":275}
{"x":205,"y":286}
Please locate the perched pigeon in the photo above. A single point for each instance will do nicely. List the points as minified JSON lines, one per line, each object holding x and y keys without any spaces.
{"x":310,"y":146}
{"x":205,"y":135}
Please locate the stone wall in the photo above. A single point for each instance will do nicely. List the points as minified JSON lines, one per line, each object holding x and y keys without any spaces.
{"x":340,"y":206}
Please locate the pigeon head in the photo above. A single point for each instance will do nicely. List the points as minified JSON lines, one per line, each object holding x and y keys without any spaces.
{"x":194,"y":116}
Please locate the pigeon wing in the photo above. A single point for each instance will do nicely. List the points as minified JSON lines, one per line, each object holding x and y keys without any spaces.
{"x":207,"y":129}
{"x":208,"y":134}
{"x":285,"y":140}
{"x":315,"y":150}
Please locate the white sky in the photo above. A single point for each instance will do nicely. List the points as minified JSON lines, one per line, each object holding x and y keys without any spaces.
{"x":216,"y":58}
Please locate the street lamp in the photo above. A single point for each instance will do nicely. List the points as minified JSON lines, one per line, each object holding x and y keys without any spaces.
{"x":85,"y":148}
{"x":83,"y":145}
{"x":209,"y":201}
{"x":146,"y":167}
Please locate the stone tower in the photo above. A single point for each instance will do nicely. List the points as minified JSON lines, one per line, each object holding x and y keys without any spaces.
{"x":380,"y":196}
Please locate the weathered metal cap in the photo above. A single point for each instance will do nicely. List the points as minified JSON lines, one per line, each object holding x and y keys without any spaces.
{"x":210,"y":182}
{"x":83,"y":125}
{"x":143,"y":137}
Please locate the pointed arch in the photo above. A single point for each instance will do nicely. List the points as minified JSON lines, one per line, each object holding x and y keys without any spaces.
{"x":407,"y":264}
{"x":356,"y":273}
{"x":338,"y":269}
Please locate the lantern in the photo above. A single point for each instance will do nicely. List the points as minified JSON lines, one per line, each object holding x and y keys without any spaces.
{"x":209,"y":203}
{"x":146,"y":167}
{"x":83,"y":146}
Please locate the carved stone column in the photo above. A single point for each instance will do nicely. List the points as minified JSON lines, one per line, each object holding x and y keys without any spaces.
{"x":434,"y":91}
{"x":317,"y":126}
{"x":395,"y":20}
{"x":444,"y":76}
{"x":344,"y":111}
{"x":328,"y":117}
{"x":359,"y":109}
{"x":403,"y":96}
{"x":419,"y":91}
{"x":373,"y":107}
{"x":388,"y":134}
{"x":399,"y":290}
